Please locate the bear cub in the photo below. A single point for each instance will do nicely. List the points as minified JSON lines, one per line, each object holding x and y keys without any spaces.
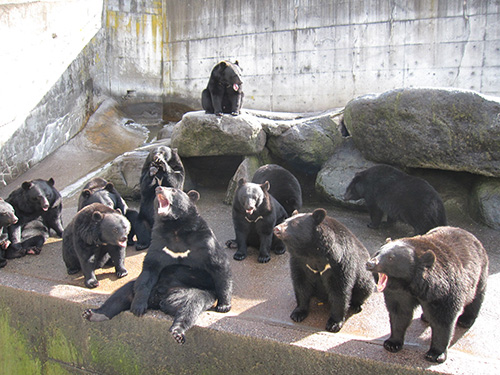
{"x":444,"y":271}
{"x":387,"y":190}
{"x":96,"y":235}
{"x":224,"y":93}
{"x":328,"y":262}
{"x":181,"y":237}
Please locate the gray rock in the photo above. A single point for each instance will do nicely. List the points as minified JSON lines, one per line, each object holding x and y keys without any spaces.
{"x":428,"y":128}
{"x":485,"y":201}
{"x":336,"y":174}
{"x":200,"y":134}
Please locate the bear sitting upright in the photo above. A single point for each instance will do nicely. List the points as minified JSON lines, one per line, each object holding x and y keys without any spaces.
{"x":387,"y":190}
{"x":96,"y":234}
{"x":182,"y":237}
{"x":33,"y":200}
{"x":326,"y":261}
{"x":7,"y":217}
{"x":255,"y":214}
{"x":224,"y":92}
{"x":284,"y":186}
{"x":444,"y":271}
{"x":162,"y":167}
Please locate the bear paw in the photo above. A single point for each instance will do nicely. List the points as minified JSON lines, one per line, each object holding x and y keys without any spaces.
{"x":435,"y":356}
{"x":91,"y":283}
{"x":231,"y":244}
{"x":333,"y":326}
{"x":280,"y":250}
{"x":3,"y":262}
{"x":178,"y":335}
{"x":465,"y":322}
{"x":355,"y":309}
{"x":92,"y":316}
{"x":138,"y":309}
{"x":141,"y":246}
{"x":72,"y":271}
{"x":35,"y":250}
{"x":121,"y":273}
{"x":392,"y":347}
{"x":299,"y":315}
{"x":223,"y":308}
{"x":264,"y":258}
{"x":239,"y":256}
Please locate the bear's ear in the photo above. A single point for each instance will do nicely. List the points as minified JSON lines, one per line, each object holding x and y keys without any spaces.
{"x":86,"y":193}
{"x":193,"y":196}
{"x":241,"y":181}
{"x":237,"y":63}
{"x":428,"y":258}
{"x":97,"y":216}
{"x":295,"y":212}
{"x":265,"y":186}
{"x":109,"y":187}
{"x":27,"y":185}
{"x":119,"y":211}
{"x":319,"y":215}
{"x":388,"y":239}
{"x":51,"y":181}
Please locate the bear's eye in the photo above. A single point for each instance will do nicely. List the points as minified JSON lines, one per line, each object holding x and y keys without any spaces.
{"x":115,"y":230}
{"x":391,"y":258}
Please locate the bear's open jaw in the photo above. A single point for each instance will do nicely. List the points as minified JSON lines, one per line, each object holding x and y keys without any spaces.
{"x":163,"y":205}
{"x":382,"y":281}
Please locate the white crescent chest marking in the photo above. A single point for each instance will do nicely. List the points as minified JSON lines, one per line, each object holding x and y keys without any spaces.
{"x":253,"y":221}
{"x":327,"y":267}
{"x":175,"y":255}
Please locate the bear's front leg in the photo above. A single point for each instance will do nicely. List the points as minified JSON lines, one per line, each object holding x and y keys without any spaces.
{"x":338,"y":300}
{"x":117,"y":254}
{"x":376,"y":215}
{"x":266,"y":239}
{"x":241,"y":241}
{"x":303,"y":288}
{"x":143,"y":286}
{"x":442,"y":323}
{"x":400,"y":306}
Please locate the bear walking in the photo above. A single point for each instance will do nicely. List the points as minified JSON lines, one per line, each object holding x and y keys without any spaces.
{"x":224,"y":93}
{"x":444,"y":271}
{"x":326,"y":261}
{"x":387,"y":190}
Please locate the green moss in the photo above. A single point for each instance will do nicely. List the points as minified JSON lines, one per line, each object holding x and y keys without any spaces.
{"x":15,"y":349}
{"x":116,"y":356}
{"x":61,"y":349}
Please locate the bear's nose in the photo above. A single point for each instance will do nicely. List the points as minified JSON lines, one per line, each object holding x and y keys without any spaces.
{"x":370,"y":265}
{"x":277,"y":231}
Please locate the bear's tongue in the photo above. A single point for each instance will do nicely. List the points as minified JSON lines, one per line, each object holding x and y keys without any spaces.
{"x":163,"y":205}
{"x":122,"y":243}
{"x":250,"y":211}
{"x":382,"y":282}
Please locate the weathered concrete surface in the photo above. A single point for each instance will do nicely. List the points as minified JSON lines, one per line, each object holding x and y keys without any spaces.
{"x":41,"y":329}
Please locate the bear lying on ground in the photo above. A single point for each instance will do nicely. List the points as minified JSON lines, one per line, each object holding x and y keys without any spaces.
{"x":162,"y":167}
{"x":181,"y":291}
{"x":444,"y":271}
{"x":34,"y":199}
{"x":96,"y":234}
{"x":33,"y":235}
{"x":326,"y":261}
{"x":7,"y":217}
{"x":284,"y":186}
{"x":255,"y":213}
{"x":182,"y":237}
{"x":98,"y":190}
{"x":224,"y":92}
{"x":387,"y":190}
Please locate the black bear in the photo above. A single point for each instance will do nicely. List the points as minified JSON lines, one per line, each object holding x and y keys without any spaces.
{"x":181,"y":291}
{"x":98,"y":190}
{"x":34,"y":199}
{"x":182,"y":237}
{"x":7,"y":217}
{"x":387,"y":190}
{"x":255,"y":214}
{"x":96,"y":235}
{"x":224,"y":93}
{"x":162,"y":167}
{"x":33,"y":235}
{"x":326,"y":261}
{"x":284,"y":186}
{"x":444,"y":271}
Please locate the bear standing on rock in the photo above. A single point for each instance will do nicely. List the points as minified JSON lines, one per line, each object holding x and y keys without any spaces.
{"x":96,"y":234}
{"x":224,"y":92}
{"x":162,"y":167}
{"x":326,"y":261}
{"x":387,"y":190}
{"x":444,"y":271}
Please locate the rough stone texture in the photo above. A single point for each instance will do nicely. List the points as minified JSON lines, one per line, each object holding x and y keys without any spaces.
{"x":428,"y":128}
{"x":485,"y":201}
{"x":307,"y":141}
{"x":336,"y":174}
{"x":200,"y":134}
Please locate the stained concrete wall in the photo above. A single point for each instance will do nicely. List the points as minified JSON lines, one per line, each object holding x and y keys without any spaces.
{"x":303,"y":55}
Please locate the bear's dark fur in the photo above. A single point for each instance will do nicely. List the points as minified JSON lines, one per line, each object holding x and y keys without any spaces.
{"x":387,"y":190}
{"x":98,"y":190}
{"x":33,"y":235}
{"x":96,"y":234}
{"x":34,"y":199}
{"x":284,"y":186}
{"x":326,"y":261}
{"x":224,"y":92}
{"x":162,"y":167}
{"x":255,"y":214}
{"x":182,"y":237}
{"x":444,"y":271}
{"x":181,"y":291}
{"x":7,"y":217}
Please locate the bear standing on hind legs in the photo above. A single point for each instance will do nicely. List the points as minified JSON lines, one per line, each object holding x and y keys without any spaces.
{"x":224,"y":92}
{"x":445,"y":271}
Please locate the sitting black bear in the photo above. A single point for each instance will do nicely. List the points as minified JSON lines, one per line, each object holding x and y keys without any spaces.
{"x":162,"y":167}
{"x":224,"y":92}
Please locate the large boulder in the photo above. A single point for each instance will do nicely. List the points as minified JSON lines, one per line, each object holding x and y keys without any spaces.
{"x":428,"y":128}
{"x":485,"y":201}
{"x":200,"y":134}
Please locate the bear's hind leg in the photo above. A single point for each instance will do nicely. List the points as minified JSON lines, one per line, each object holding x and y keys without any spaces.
{"x":119,"y":301}
{"x":376,"y":215}
{"x":206,"y":101}
{"x":471,"y":311}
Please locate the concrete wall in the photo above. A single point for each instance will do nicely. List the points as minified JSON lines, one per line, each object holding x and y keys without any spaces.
{"x":303,"y":55}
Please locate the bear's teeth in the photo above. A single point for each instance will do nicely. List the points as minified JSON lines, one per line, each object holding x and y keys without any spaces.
{"x":382,"y":282}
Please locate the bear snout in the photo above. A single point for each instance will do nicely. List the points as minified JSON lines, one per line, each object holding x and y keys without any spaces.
{"x":371,"y":264}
